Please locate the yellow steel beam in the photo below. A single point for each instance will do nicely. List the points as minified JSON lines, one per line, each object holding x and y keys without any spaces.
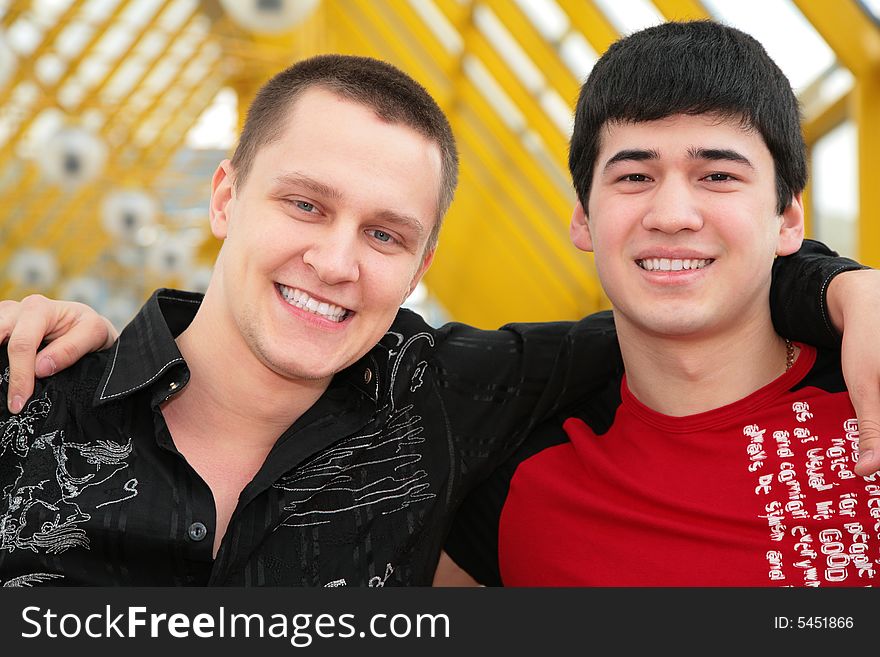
{"x":79,"y":208}
{"x":867,"y":97}
{"x":25,"y":67}
{"x":591,"y":22}
{"x":15,"y":9}
{"x":681,"y":10}
{"x":845,"y":27}
{"x":544,"y":54}
{"x":93,"y":99}
{"x":484,"y":242}
{"x":151,"y":166}
{"x":809,"y":227}
{"x":408,"y":54}
{"x":52,"y":193}
{"x":50,"y":91}
{"x":477,"y":44}
{"x":120,"y":124}
{"x":817,"y":124}
{"x":855,"y":40}
{"x":190,"y":108}
{"x":548,"y":237}
{"x":823,"y":121}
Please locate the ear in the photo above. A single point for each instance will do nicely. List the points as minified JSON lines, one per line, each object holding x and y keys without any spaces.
{"x":222,"y":193}
{"x":791,"y":230}
{"x":580,"y":229}
{"x":426,"y":262}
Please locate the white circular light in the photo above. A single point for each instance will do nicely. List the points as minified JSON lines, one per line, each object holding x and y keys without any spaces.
{"x":127,"y":213}
{"x":33,"y":269}
{"x":170,"y":256}
{"x":72,"y":156}
{"x":83,"y":289}
{"x":8,"y":61}
{"x":270,"y":16}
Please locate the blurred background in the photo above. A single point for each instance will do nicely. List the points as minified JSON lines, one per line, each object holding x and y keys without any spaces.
{"x":114,"y":114}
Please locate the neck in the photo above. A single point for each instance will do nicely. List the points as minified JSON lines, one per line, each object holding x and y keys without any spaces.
{"x":232,"y":396}
{"x":684,"y":375}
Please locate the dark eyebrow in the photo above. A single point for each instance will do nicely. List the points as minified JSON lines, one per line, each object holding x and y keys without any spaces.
{"x":403,"y":220}
{"x":631,"y":155}
{"x":719,"y":154}
{"x":298,"y":179}
{"x":396,"y":218}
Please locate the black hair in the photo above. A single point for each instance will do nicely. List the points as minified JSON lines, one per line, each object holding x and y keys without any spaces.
{"x":695,"y":67}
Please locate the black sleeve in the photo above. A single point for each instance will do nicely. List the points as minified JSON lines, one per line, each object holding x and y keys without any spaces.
{"x":496,"y":385}
{"x":585,"y":378}
{"x":472,"y":542}
{"x":797,"y":293}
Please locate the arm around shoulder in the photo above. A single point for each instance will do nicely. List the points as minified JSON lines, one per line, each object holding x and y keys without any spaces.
{"x":70,"y":330}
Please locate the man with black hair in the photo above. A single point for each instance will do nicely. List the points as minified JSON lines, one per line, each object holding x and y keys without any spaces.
{"x":727,"y":456}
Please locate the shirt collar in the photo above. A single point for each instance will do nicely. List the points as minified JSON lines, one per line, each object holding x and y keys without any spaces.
{"x":146,"y":351}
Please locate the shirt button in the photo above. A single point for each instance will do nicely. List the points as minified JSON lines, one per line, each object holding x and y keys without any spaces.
{"x":368,"y":375}
{"x":197,"y":531}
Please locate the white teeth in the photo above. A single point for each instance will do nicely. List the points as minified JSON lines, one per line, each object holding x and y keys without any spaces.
{"x":300,"y":299}
{"x":672,"y":264}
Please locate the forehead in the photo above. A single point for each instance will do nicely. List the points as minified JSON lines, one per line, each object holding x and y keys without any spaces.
{"x":675,"y":135}
{"x":347,"y":146}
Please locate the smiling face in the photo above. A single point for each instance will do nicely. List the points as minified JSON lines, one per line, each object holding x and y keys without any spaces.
{"x":682,"y":219}
{"x":326,"y":237}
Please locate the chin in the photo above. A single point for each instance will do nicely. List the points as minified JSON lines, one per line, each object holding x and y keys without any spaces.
{"x":310,"y":369}
{"x":672,"y":327}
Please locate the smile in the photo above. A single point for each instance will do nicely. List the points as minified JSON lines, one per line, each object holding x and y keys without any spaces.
{"x":300,"y":299}
{"x":673,"y":264}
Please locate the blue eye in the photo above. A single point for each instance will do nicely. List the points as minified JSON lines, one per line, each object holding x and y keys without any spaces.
{"x":305,"y":206}
{"x":382,"y":236}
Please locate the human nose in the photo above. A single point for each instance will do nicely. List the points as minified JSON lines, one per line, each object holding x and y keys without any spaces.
{"x":673,"y":208}
{"x":333,"y":257}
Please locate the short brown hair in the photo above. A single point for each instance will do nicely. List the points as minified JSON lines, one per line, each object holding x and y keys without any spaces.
{"x":391,"y":93}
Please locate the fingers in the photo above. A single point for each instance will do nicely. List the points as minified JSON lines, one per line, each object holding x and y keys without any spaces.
{"x":8,"y":315}
{"x":859,"y":307}
{"x":62,"y":352}
{"x":869,"y":446}
{"x":24,"y":340}
{"x":864,"y":392}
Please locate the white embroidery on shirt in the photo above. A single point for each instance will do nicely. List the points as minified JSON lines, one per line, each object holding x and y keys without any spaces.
{"x":41,"y":509}
{"x":367,"y":469}
{"x":29,"y":580}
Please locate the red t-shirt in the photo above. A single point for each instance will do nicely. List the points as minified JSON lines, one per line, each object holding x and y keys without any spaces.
{"x":757,"y":493}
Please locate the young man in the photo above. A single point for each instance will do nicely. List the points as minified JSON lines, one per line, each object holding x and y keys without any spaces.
{"x":276,"y":432}
{"x":728,"y":458}
{"x":294,"y":428}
